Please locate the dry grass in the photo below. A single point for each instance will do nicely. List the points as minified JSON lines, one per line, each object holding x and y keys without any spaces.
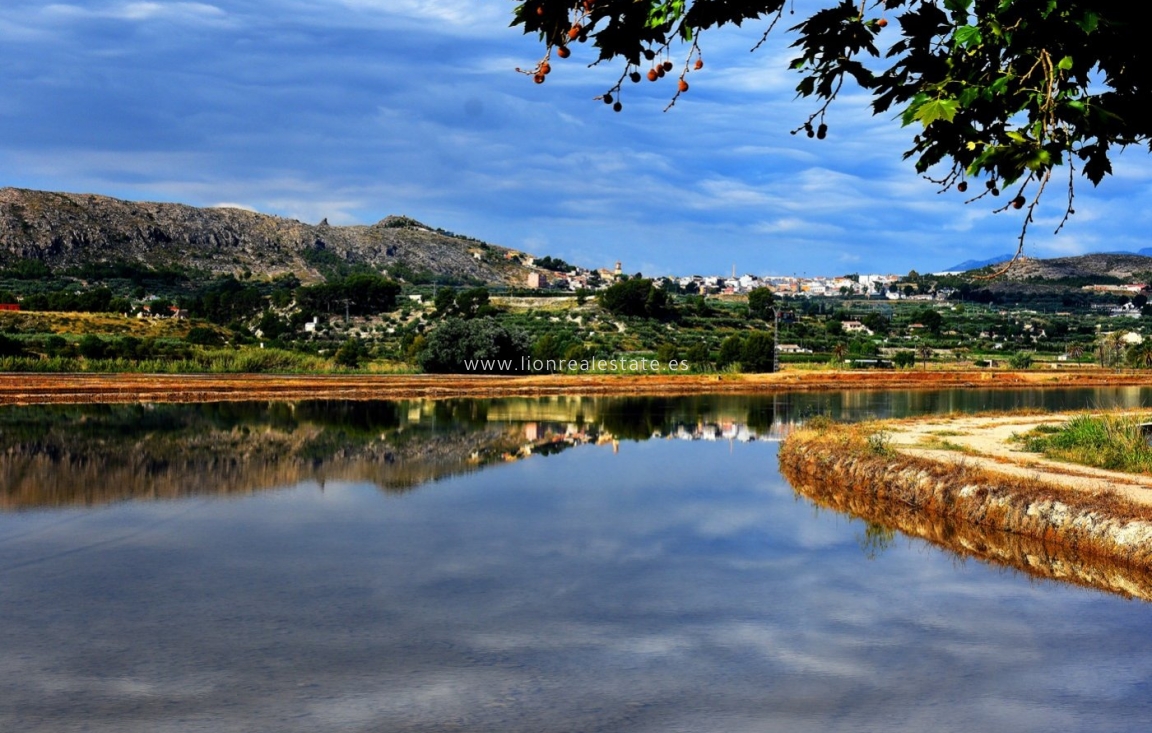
{"x":81,"y":324}
{"x":936,"y":442}
{"x":1099,"y":523}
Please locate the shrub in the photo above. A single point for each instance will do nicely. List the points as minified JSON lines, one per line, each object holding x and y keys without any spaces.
{"x":730,"y":351}
{"x":481,"y":345}
{"x":92,"y":347}
{"x":1020,"y":360}
{"x":758,"y":353}
{"x":203,"y":336}
{"x":350,"y":353}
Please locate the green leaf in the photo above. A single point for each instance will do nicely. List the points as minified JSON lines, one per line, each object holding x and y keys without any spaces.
{"x":1042,"y":159}
{"x":967,"y":36}
{"x":1089,"y":22}
{"x":913,"y":108}
{"x":958,"y":6}
{"x":969,"y":95}
{"x":937,"y":109}
{"x":1065,"y":63}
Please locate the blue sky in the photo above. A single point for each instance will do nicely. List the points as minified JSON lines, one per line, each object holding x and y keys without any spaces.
{"x":356,"y":109}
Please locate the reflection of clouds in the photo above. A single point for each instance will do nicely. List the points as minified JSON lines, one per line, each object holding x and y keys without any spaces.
{"x":673,"y":586}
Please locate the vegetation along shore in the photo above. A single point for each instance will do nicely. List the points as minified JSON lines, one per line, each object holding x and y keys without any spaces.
{"x":965,"y":481}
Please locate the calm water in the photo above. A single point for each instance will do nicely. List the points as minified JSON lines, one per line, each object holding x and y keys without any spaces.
{"x":505,"y":565}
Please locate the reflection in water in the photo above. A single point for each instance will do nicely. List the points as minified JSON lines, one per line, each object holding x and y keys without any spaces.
{"x":1032,"y":556}
{"x":677,"y":584}
{"x":94,"y":454}
{"x":55,"y":456}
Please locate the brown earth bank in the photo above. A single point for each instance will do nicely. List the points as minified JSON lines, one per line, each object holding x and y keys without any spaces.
{"x":1051,"y":520}
{"x":40,"y":388}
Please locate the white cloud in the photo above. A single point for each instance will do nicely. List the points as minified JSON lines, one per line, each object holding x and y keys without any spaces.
{"x":228,"y":205}
{"x":139,"y":11}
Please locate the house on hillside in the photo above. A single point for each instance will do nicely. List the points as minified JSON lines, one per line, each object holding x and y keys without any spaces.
{"x":856,"y":327}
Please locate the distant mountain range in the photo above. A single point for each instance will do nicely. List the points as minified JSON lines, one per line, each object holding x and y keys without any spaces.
{"x":65,"y":230}
{"x":977,"y":264}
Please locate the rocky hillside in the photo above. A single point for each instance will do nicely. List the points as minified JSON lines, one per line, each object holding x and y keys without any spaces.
{"x":1122,"y":266}
{"x":64,"y":230}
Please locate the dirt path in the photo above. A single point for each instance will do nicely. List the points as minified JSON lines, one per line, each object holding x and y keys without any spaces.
{"x":986,"y":442}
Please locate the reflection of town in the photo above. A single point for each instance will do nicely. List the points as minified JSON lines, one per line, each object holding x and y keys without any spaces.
{"x":92,"y":454}
{"x":555,"y":423}
{"x":95,"y":454}
{"x":540,"y":436}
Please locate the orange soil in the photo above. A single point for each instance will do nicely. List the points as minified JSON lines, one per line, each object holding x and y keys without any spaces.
{"x":79,"y":388}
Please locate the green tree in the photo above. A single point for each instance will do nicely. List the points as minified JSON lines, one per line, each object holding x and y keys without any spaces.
{"x":1140,"y":355}
{"x":351,"y":353}
{"x":760,"y":302}
{"x":904,"y":358}
{"x":203,"y":336}
{"x":932,"y":320}
{"x":92,"y":347}
{"x":10,"y":346}
{"x":876,"y":323}
{"x":481,"y":345}
{"x":445,"y":301}
{"x":473,"y":303}
{"x":759,"y":353}
{"x":636,"y":297}
{"x":1007,"y":90}
{"x":731,"y":349}
{"x":698,"y":357}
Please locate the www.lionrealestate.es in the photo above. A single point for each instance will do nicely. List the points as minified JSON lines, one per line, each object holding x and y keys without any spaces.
{"x":527,"y":364}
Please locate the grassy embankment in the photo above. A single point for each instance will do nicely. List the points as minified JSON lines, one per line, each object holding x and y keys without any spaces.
{"x":1114,"y":442}
{"x":858,"y":459}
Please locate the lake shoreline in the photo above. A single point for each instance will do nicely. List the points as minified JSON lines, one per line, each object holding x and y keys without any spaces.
{"x":950,"y":468}
{"x":87,"y":388}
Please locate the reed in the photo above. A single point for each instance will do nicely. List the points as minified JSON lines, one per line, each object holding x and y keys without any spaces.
{"x":1114,"y":442}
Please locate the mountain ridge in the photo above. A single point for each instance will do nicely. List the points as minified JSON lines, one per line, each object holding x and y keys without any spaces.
{"x":67,"y":230}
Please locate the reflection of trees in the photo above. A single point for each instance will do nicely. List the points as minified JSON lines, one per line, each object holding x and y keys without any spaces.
{"x":353,"y":417}
{"x":761,"y":416}
{"x":636,"y":418}
{"x":91,"y":454}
